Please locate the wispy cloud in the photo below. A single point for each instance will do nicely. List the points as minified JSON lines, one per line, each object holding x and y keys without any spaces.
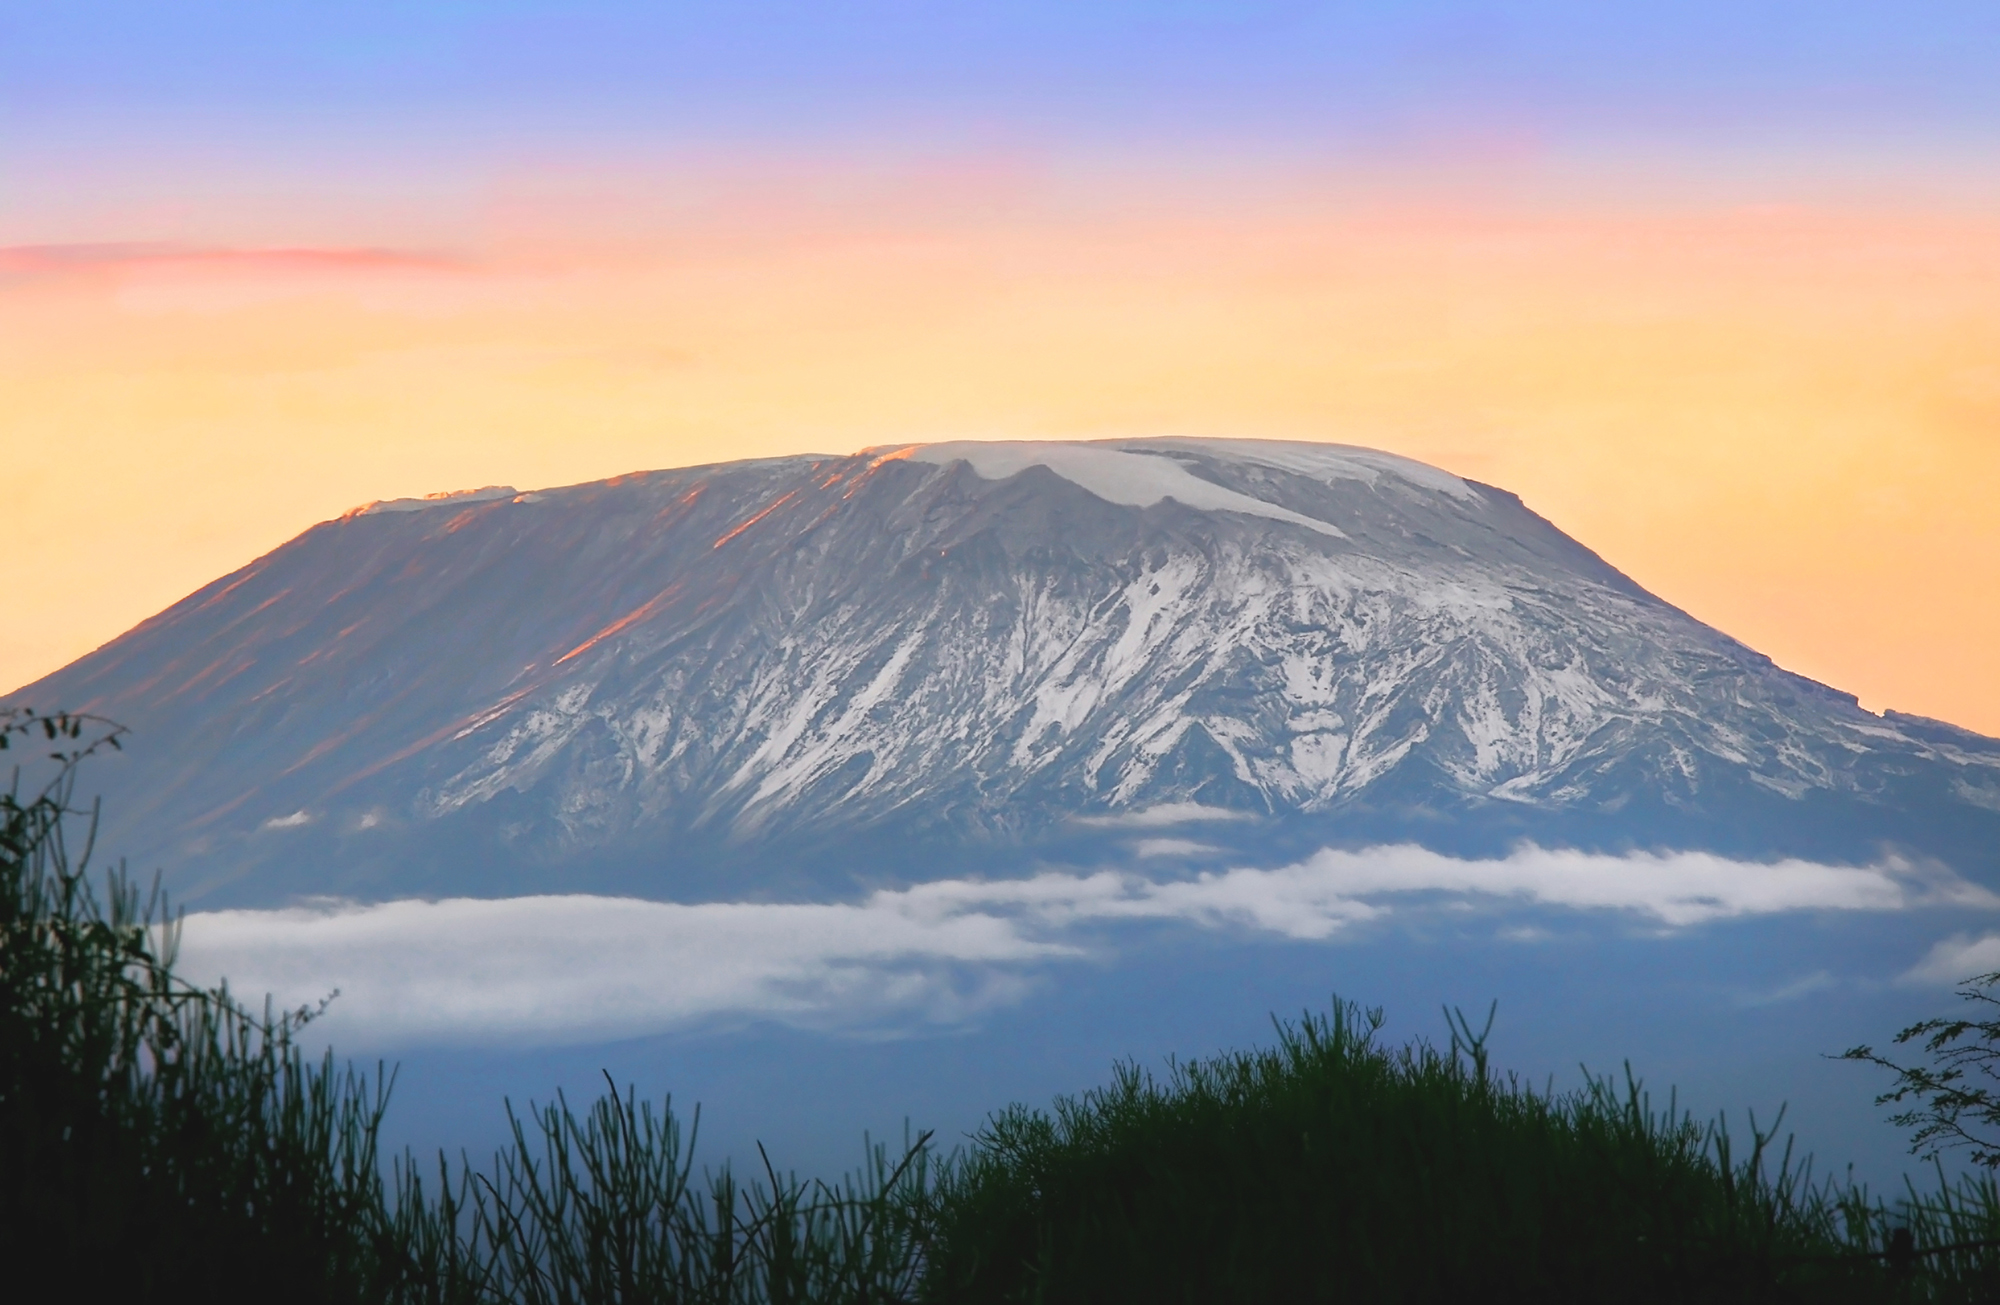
{"x":1149,"y":847}
{"x":1803,"y":986}
{"x":1955,"y":960}
{"x":1166,"y":815}
{"x":585,"y":968}
{"x":99,"y":256}
{"x":1674,"y":889}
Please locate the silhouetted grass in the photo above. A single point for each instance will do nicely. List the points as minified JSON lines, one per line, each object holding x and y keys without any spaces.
{"x":1329,"y":1167}
{"x":158,"y":1143}
{"x":605,"y":1208}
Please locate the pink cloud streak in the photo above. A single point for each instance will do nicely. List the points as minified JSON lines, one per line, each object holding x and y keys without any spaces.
{"x":85,"y":258}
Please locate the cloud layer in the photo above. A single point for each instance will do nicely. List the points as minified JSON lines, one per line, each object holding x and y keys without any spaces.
{"x":578,"y":968}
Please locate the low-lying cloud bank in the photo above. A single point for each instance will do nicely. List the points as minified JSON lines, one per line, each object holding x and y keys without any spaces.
{"x":590,"y":968}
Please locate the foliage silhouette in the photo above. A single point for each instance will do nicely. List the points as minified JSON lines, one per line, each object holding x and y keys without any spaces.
{"x":1949,"y":1106}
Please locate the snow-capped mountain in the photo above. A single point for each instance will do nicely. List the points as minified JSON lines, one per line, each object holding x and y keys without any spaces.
{"x":759,"y":676}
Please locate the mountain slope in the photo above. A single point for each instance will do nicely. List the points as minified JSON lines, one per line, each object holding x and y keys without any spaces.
{"x":769,"y":676}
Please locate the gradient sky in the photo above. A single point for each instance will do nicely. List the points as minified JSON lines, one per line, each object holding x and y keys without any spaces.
{"x":1715,"y":287}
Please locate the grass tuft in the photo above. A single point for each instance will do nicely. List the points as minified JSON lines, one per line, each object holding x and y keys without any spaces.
{"x":1331,"y":1167}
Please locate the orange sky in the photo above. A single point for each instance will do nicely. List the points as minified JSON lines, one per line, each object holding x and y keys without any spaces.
{"x":1786,"y":420}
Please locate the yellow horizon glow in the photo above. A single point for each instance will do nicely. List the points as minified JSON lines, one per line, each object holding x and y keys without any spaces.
{"x":1786,"y":421}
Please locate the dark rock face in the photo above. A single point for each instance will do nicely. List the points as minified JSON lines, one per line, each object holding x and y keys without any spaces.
{"x":795,"y":675}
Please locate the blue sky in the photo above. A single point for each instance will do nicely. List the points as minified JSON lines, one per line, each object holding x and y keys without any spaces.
{"x":1703,"y":75}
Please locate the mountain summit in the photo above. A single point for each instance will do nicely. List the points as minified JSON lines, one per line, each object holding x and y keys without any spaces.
{"x":759,"y":676}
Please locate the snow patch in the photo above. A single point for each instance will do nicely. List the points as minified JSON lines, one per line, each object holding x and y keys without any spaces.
{"x":455,"y":498}
{"x":1323,"y":462}
{"x":1112,"y":474}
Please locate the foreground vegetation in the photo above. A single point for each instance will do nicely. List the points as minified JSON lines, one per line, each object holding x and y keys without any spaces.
{"x":159,"y":1142}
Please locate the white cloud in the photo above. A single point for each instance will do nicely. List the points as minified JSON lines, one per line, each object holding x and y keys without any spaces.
{"x":293,"y":821}
{"x":1149,"y":847}
{"x":1955,"y":960}
{"x":589,"y":968}
{"x":1803,"y":986}
{"x":1523,"y":933}
{"x":579,"y":968}
{"x":1162,"y":816}
{"x":1675,"y":888}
